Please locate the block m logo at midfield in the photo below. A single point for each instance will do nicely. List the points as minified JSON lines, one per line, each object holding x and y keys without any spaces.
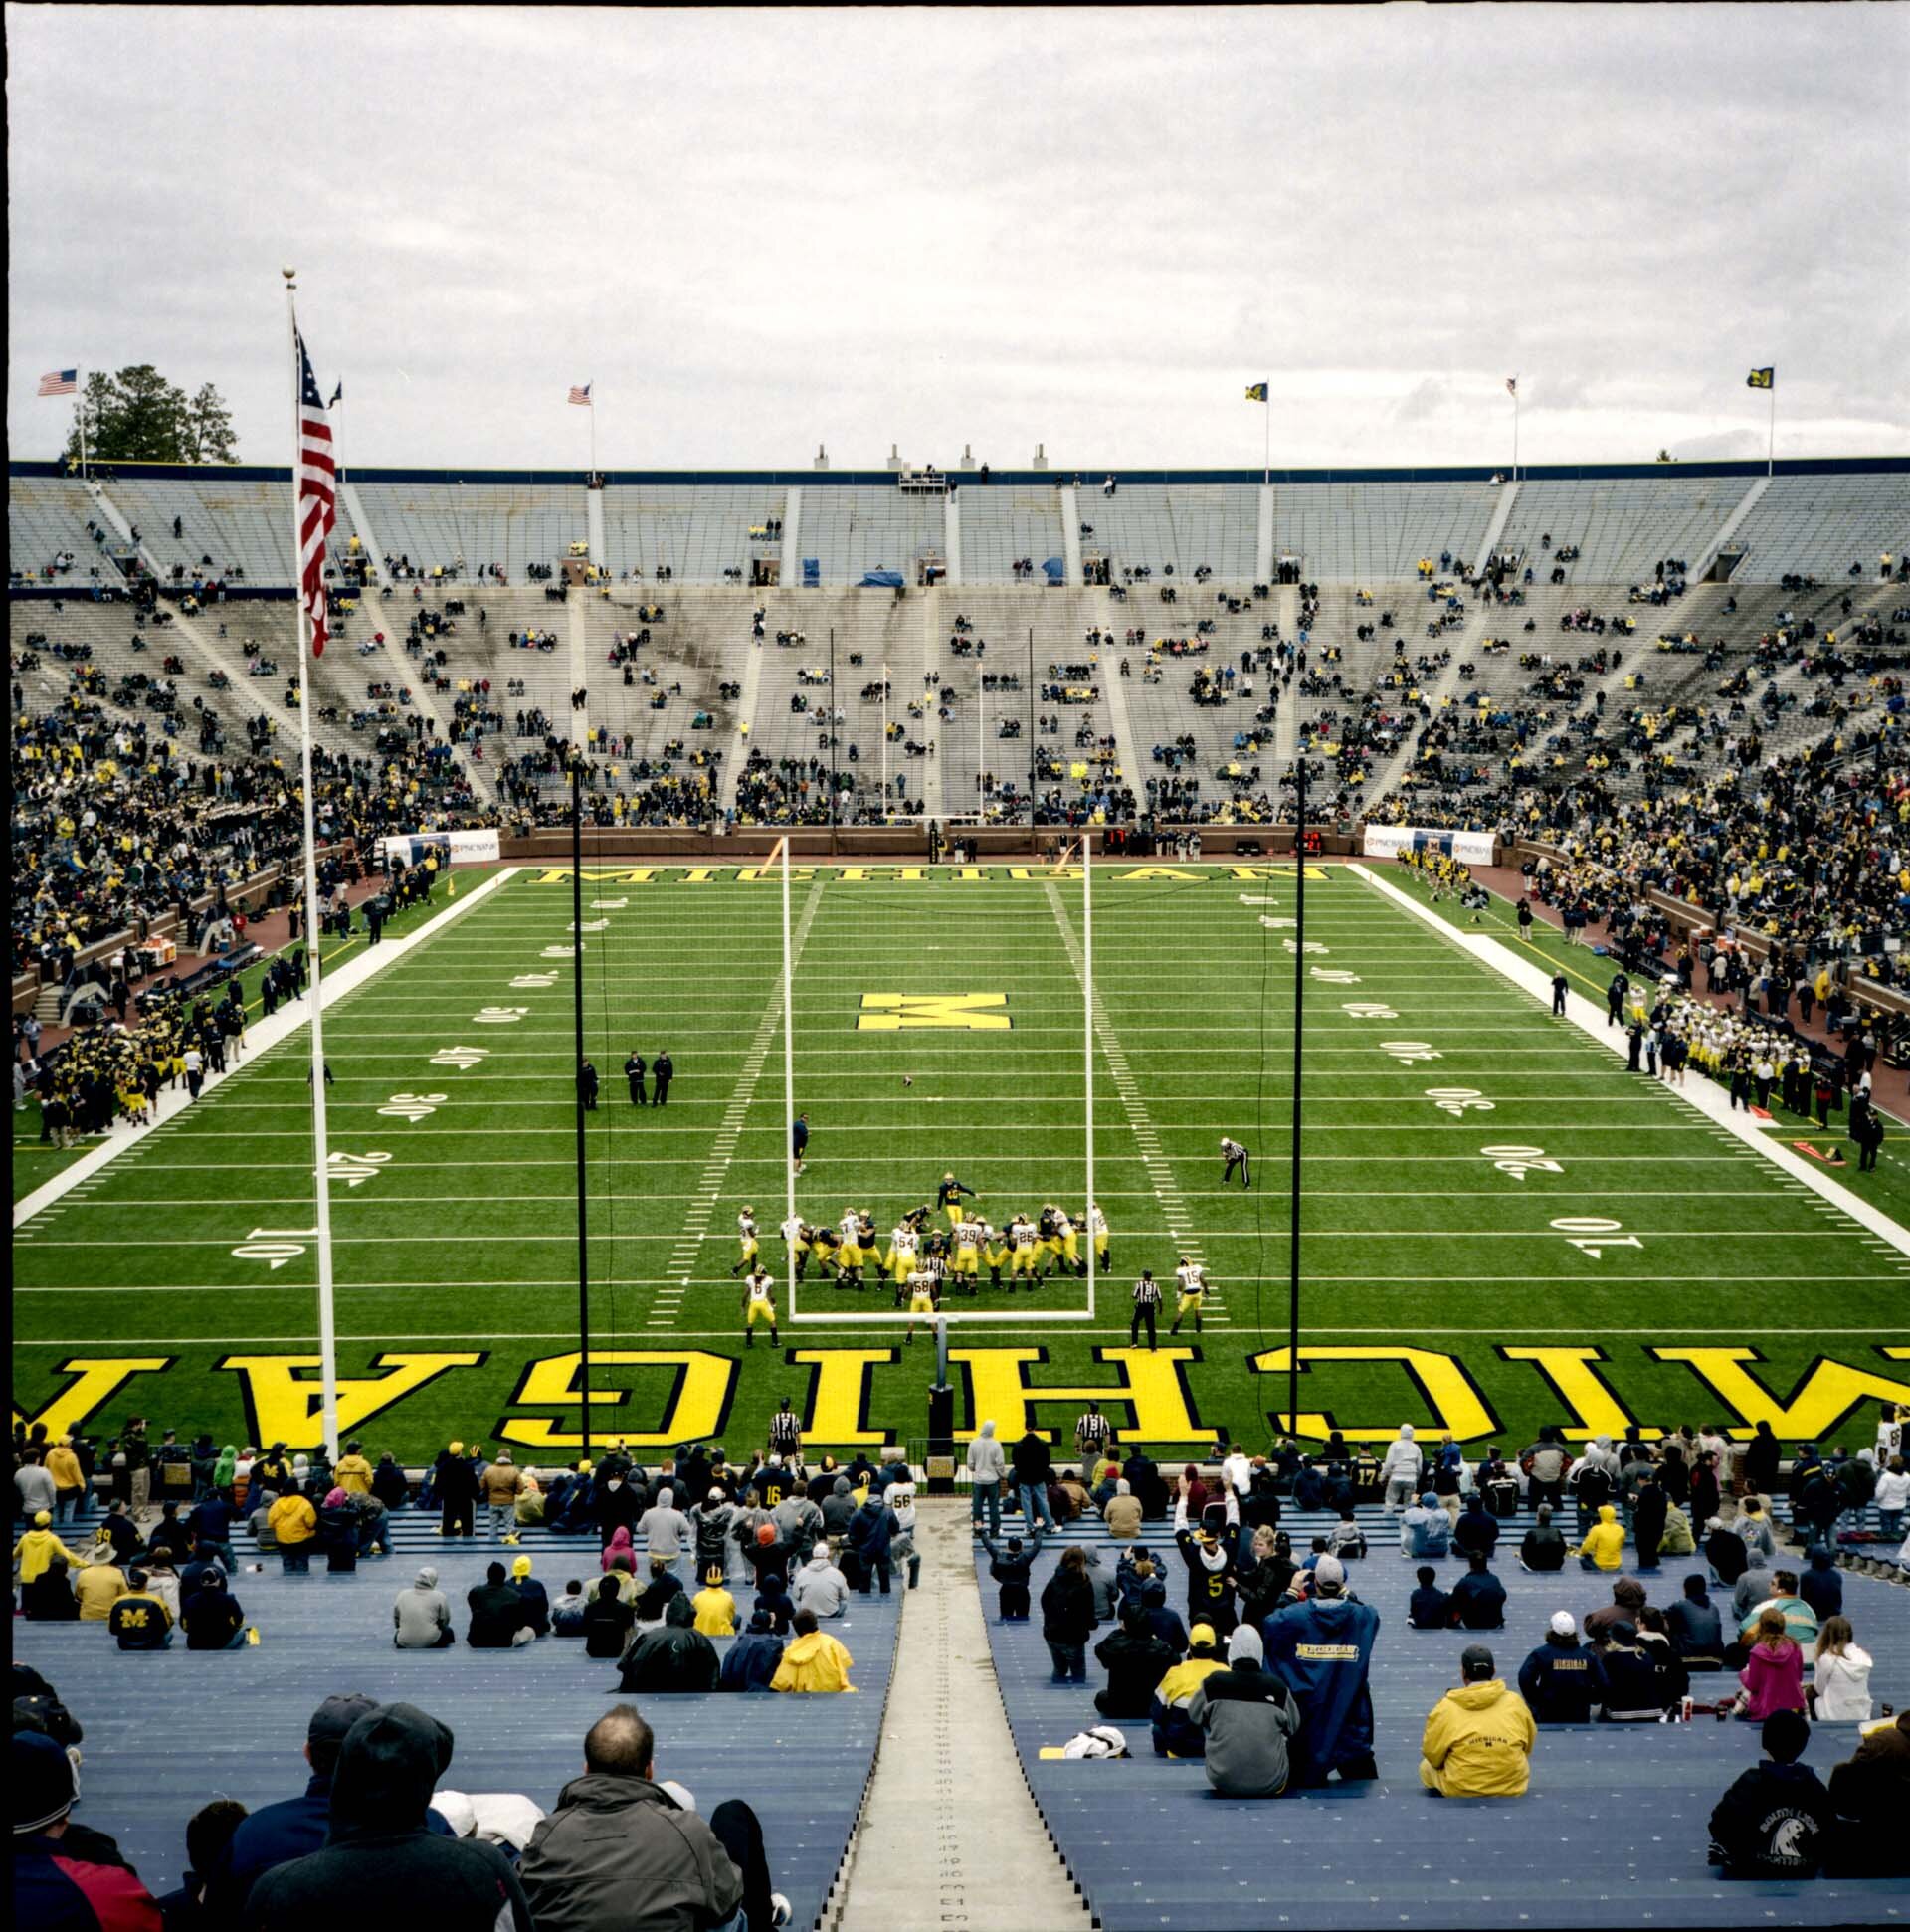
{"x":951,"y":1012}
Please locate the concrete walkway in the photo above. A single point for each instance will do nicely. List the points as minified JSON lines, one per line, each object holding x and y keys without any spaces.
{"x":949,"y":1835}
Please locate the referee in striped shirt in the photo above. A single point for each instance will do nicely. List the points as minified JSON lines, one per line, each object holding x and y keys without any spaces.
{"x":1147,"y":1306}
{"x":1235,"y":1156}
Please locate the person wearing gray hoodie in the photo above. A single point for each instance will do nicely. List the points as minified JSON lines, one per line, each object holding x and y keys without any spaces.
{"x":987,"y":1466}
{"x":1101,"y":1581}
{"x":1247,"y":1715}
{"x":819,"y":1587}
{"x":1400,"y":1471}
{"x":1426,"y":1529}
{"x":421,"y":1618}
{"x":799,"y":1523}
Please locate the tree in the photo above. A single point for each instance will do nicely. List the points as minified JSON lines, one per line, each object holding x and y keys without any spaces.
{"x":138,"y":416}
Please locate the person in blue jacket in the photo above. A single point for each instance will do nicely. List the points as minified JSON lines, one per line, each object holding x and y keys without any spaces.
{"x":870,"y":1530}
{"x":752,"y":1660}
{"x":1322,"y":1650}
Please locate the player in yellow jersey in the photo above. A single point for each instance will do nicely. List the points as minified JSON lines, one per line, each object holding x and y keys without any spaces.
{"x":995,"y":1251}
{"x":746,"y":1232}
{"x":1192,"y":1279}
{"x":759,"y":1305}
{"x":1069,"y":1238}
{"x":904,"y":1245}
{"x":1024,"y":1250}
{"x":924,"y":1294}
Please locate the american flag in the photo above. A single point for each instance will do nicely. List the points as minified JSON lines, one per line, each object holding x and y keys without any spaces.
{"x":317,"y":497}
{"x":580,"y":396}
{"x":60,"y":382}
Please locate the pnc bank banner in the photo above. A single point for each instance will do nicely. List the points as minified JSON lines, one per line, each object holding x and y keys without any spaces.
{"x":460,"y":847}
{"x":862,"y":1397}
{"x":1389,"y":841}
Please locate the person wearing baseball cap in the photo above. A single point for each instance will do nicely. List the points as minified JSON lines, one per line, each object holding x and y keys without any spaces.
{"x":1321,"y":1648}
{"x":1563,"y":1680}
{"x":1175,"y":1735}
{"x":1478,"y":1738}
{"x":65,"y":1873}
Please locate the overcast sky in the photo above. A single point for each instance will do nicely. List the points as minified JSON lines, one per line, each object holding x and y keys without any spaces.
{"x":1088,"y":227}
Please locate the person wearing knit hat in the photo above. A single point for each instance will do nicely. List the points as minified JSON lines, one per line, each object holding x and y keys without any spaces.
{"x":65,"y":1873}
{"x":1478,"y":1739}
{"x":1247,"y":1716}
{"x":536,"y":1597}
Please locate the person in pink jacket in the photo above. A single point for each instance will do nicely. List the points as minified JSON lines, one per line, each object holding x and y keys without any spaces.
{"x":1773,"y":1673}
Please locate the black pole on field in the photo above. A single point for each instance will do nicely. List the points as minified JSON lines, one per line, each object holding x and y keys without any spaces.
{"x":1299,"y":1002}
{"x":577,"y":1010}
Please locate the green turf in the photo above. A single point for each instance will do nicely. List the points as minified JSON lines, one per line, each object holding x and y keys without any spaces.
{"x":463,"y":1245}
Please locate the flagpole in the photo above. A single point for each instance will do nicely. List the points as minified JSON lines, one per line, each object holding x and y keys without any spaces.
{"x":328,"y":1325}
{"x":592,"y":414}
{"x":82,"y":426}
{"x":1266,"y":452}
{"x":1771,"y":449}
{"x":1515,"y":430}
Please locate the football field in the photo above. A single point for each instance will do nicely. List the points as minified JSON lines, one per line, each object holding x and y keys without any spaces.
{"x":1501,"y":1226}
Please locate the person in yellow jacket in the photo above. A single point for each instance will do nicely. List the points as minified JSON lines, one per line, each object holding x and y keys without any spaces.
{"x":38,"y":1548}
{"x":814,"y":1661}
{"x":1175,"y":1735}
{"x":294,"y":1523}
{"x":98,"y":1587}
{"x":715,"y":1607}
{"x":1603,"y":1545}
{"x":69,"y":1479}
{"x":1478,"y":1738}
{"x":352,"y":1473}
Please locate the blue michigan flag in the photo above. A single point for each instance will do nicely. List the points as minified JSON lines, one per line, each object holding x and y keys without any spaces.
{"x":1257,"y":392}
{"x":1761,"y":379}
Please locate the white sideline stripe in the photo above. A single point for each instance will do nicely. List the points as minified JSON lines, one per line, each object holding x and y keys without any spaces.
{"x":260,"y":1036}
{"x":1705,"y":1098}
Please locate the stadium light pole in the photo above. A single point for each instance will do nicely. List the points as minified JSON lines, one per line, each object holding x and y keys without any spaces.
{"x":1300,"y":1006}
{"x":315,"y":927}
{"x":577,"y":1077}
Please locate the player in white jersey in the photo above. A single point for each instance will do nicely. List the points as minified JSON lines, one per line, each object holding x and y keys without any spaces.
{"x":758,"y":1306}
{"x":1097,"y":1232}
{"x":1023,"y":1247}
{"x":904,"y":1245}
{"x":848,"y":1250}
{"x":970,"y":1232}
{"x":746,"y":1232}
{"x":796,"y":1233}
{"x":1192,"y":1279}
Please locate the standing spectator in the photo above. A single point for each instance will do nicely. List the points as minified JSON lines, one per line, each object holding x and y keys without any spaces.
{"x":380,"y":1844}
{"x":1322,"y":1650}
{"x":294,"y":1527}
{"x":501,"y":1484}
{"x":987,"y":1466}
{"x":1400,"y":1469}
{"x":1067,"y":1617}
{"x":1032,"y":1465}
{"x":1478,"y":1739}
{"x":420,"y":1616}
{"x":1892,"y":1499}
{"x":66,"y":1875}
{"x":622,"y":1850}
{"x":456,"y":1486}
{"x":34,"y":1489}
{"x":38,"y":1548}
{"x":1776,"y":1820}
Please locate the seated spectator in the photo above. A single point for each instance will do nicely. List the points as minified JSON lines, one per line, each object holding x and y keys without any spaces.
{"x":1176,"y":1735}
{"x":1677,"y":1540}
{"x":750,"y":1663}
{"x":618,"y":1545}
{"x":654,"y":1598}
{"x":622,"y":1850}
{"x":1563,"y":1680}
{"x":1322,"y":1650}
{"x":1245,"y":1715}
{"x":814,"y":1661}
{"x":533,"y":1596}
{"x":567,"y":1613}
{"x":338,"y":1533}
{"x":138,"y":1620}
{"x":381,"y":1843}
{"x":1476,"y":1529}
{"x":212,"y":1617}
{"x":1776,"y":1820}
{"x":65,"y":1874}
{"x":1123,"y":1512}
{"x":1011,"y":1569}
{"x":672,"y":1659}
{"x":1773,"y":1673}
{"x":1478,"y":1739}
{"x":420,"y":1615}
{"x":498,"y":1620}
{"x":1839,"y":1691}
{"x":606,"y":1621}
{"x":775,"y":1602}
{"x":1821,"y":1586}
{"x":208,"y":1833}
{"x":1800,"y":1625}
{"x":1724,"y":1551}
{"x":98,"y":1587}
{"x":1478,"y":1598}
{"x":820,"y":1588}
{"x":1641,"y":1682}
{"x":1628,"y":1599}
{"x":1429,"y":1608}
{"x":1868,"y":1792}
{"x":1543,"y":1549}
{"x":1603,"y":1544}
{"x":1135,"y":1660}
{"x":1426,"y":1529}
{"x":49,"y":1598}
{"x":1696,"y":1630}
{"x":714,"y":1607}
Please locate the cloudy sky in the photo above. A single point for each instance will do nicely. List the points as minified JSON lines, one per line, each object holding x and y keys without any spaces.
{"x":760,"y":231}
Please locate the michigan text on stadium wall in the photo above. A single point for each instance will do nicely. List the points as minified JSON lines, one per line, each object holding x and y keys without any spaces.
{"x":673,"y":1394}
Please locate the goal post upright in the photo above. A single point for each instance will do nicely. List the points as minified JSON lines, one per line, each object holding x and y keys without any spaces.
{"x":789,"y":1082}
{"x":1087,"y":1046}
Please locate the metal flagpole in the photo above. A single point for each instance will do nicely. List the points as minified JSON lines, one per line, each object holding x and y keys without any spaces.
{"x":981,"y":742}
{"x":1771,"y":449}
{"x":831,"y":734}
{"x":83,"y":439}
{"x":591,"y":412}
{"x":1300,"y":1003}
{"x":1515,"y":432}
{"x":789,"y":1075}
{"x":1266,"y":454}
{"x":1030,"y":737}
{"x":577,"y":1077}
{"x":327,"y":1322}
{"x":1088,"y":1040}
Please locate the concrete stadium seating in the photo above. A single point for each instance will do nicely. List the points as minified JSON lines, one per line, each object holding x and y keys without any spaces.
{"x":1622,"y":528}
{"x":168,"y":1731}
{"x":698,"y":530}
{"x":1365,"y":533}
{"x":1614,"y":1827}
{"x":1819,"y":527}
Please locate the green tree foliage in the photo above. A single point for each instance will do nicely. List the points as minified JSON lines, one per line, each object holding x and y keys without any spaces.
{"x":138,"y":416}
